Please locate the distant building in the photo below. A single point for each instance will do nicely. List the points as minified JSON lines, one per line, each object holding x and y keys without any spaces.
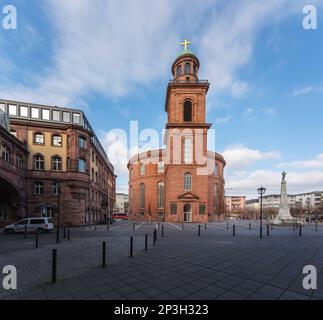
{"x":235,"y":203}
{"x":252,"y":205}
{"x":121,"y":204}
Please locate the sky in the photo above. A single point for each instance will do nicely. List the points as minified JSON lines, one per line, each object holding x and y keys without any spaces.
{"x":113,"y":60}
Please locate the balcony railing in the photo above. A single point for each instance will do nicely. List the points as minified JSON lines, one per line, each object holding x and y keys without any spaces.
{"x":189,"y":82}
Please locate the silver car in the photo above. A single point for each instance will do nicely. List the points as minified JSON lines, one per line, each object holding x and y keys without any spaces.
{"x":39,"y":225}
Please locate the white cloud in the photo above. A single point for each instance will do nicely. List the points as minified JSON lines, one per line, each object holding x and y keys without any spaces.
{"x":239,"y":157}
{"x":247,"y":183}
{"x":114,"y":47}
{"x":307,"y":90}
{"x":314,"y":164}
{"x":223,"y":120}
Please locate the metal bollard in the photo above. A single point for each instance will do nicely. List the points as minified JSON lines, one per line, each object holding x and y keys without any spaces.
{"x":199,"y":231}
{"x":146,"y":242}
{"x":57,"y":235}
{"x":104,"y":246}
{"x":267,"y":230}
{"x":249,"y":226}
{"x":68,"y":235}
{"x":154,"y":237}
{"x":163,"y":231}
{"x":300,"y":230}
{"x":54,"y":265}
{"x":316,"y":226}
{"x":234,"y":230}
{"x":134,"y":227}
{"x":131,"y":247}
{"x":36,"y":238}
{"x":205,"y":227}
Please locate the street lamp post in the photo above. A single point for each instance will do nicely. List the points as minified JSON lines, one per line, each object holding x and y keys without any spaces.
{"x":261,"y":191}
{"x":58,"y":186}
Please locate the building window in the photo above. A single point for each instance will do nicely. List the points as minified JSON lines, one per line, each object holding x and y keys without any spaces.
{"x":5,"y":153}
{"x":202,"y":209}
{"x":187,"y":181}
{"x":56,"y":188}
{"x":161,"y":167}
{"x":39,"y":163}
{"x":19,"y":161}
{"x":3,"y":107}
{"x":38,"y":188}
{"x":215,"y":197}
{"x":35,"y":113}
{"x":188,"y":151}
{"x":160,"y":192}
{"x":142,"y":196}
{"x":92,"y":173}
{"x":56,"y":163}
{"x":45,"y":114}
{"x":173,"y":208}
{"x":66,"y":117}
{"x":195,"y":70}
{"x":187,"y":68}
{"x":12,"y":110}
{"x":14,"y":133}
{"x":76,"y":118}
{"x":82,"y":142}
{"x":39,"y":138}
{"x":216,"y":169}
{"x":57,"y":141}
{"x":142,"y":170}
{"x":188,"y":111}
{"x":179,"y":71}
{"x":23,"y":112}
{"x":82,"y":165}
{"x":56,"y":115}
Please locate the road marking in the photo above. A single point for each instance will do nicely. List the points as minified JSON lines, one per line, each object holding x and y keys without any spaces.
{"x":140,"y":226}
{"x":175,"y":226}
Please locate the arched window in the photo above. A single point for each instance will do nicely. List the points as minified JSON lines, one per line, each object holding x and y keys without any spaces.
{"x":82,"y":165}
{"x":142,"y":170}
{"x":39,"y":162}
{"x":38,"y":188}
{"x":5,"y":153}
{"x":188,"y":151}
{"x":56,"y":188}
{"x":215,"y":197}
{"x":160,"y":192}
{"x":56,"y":163}
{"x":142,"y":196}
{"x":19,"y":161}
{"x":188,"y":111}
{"x":39,"y":138}
{"x":194,"y":70}
{"x":56,"y":140}
{"x":187,"y":181}
{"x":216,"y":169}
{"x":187,"y":68}
{"x":179,"y":71}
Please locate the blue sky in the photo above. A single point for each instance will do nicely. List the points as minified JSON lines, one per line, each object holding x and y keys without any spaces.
{"x":113,"y":59}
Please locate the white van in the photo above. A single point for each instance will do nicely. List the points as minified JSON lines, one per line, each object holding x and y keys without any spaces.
{"x":39,"y":225}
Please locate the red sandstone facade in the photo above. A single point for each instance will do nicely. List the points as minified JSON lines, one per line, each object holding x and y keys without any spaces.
{"x":184,"y":182}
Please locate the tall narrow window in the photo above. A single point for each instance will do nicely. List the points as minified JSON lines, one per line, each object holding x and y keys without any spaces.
{"x":216,"y":169}
{"x":188,"y":109}
{"x":38,"y":188}
{"x":188,"y":151}
{"x":5,"y":153}
{"x":187,"y":68}
{"x":187,"y":181}
{"x":160,"y":192}
{"x":56,"y":186}
{"x":179,"y":71}
{"x":215,"y":197}
{"x":39,"y":162}
{"x":142,"y":170}
{"x":56,"y":163}
{"x":82,"y":142}
{"x":19,"y":161}
{"x":142,"y":196}
{"x":82,"y":165}
{"x":195,"y":70}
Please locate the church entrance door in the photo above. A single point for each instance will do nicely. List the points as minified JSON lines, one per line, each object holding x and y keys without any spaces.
{"x":187,"y":213}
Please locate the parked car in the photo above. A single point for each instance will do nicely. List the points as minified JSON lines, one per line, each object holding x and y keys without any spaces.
{"x":39,"y":225}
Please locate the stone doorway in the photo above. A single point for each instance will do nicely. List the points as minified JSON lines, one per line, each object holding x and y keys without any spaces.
{"x":188,"y":213}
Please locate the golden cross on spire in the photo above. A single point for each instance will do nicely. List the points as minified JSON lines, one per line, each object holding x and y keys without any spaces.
{"x":185,"y":44}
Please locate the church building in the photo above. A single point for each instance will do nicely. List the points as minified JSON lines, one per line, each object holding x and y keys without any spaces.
{"x":183,"y":182}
